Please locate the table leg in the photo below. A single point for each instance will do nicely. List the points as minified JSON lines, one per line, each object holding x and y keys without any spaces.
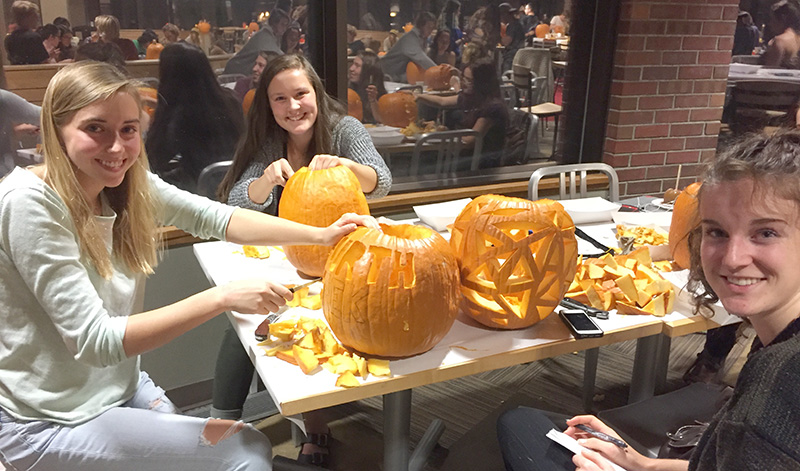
{"x":589,"y":377}
{"x":396,"y":431}
{"x":643,"y":378}
{"x":662,"y":364}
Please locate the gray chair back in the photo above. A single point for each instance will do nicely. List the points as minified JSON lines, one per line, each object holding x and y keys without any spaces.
{"x":447,"y":146}
{"x":568,"y":189}
{"x":211,"y":177}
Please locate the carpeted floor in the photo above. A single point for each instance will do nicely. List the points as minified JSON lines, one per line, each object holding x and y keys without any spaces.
{"x":470,"y":406}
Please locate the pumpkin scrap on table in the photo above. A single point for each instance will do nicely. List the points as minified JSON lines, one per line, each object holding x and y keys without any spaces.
{"x":256,"y":251}
{"x":642,"y":235}
{"x":303,"y":299}
{"x":319,"y":198}
{"x":627,"y":283}
{"x":309,"y":343}
{"x":516,"y":259}
{"x":391,"y":292}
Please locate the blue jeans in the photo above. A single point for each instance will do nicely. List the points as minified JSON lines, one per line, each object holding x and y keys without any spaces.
{"x":145,"y":433}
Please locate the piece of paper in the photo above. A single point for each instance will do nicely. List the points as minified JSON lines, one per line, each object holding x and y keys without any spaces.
{"x":572,"y":445}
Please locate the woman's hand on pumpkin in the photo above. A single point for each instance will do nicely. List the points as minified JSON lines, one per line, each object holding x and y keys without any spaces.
{"x":345,"y":225}
{"x":254,"y":296}
{"x":278,"y":172}
{"x":323,"y":161}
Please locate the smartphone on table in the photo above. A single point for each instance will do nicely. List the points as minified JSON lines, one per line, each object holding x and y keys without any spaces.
{"x":581,"y":325}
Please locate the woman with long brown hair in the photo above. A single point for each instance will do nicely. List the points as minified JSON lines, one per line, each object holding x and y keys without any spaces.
{"x":292,"y":123}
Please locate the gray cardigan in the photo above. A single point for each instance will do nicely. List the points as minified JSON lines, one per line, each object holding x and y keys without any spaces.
{"x":350,"y":140}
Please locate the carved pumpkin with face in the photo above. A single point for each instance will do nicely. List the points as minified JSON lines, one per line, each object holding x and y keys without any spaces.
{"x":319,"y":198}
{"x":392,"y":293}
{"x":517,"y":258}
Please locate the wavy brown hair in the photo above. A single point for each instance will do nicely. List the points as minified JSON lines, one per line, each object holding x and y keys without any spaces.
{"x":262,"y":127}
{"x":73,"y":88}
{"x":773,"y":163}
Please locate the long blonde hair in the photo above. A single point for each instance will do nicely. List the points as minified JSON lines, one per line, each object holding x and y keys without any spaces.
{"x":135,"y":239}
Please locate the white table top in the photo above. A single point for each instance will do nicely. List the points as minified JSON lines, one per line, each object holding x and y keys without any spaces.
{"x":468,"y":348}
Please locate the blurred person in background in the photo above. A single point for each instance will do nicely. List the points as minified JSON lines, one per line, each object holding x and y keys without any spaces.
{"x":108,"y":32}
{"x":268,"y":38}
{"x":51,"y":39}
{"x":450,"y":19}
{"x":24,"y":45}
{"x":171,"y":34}
{"x":197,"y":122}
{"x":782,"y":50}
{"x":66,"y":48}
{"x":291,"y":40}
{"x":17,"y":118}
{"x":441,"y":51}
{"x":410,"y":48}
{"x":354,"y":46}
{"x":144,"y":40}
{"x":366,"y":78}
{"x":245,"y":84}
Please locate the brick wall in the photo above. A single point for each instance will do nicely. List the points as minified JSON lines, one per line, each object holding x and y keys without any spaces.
{"x":668,"y":88}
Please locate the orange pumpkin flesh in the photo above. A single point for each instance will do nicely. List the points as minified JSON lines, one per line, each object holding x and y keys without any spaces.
{"x":517,"y":258}
{"x":319,"y":198}
{"x":392,"y":293}
{"x":152,"y":94}
{"x":355,"y":108}
{"x":397,"y":109}
{"x":438,"y":77}
{"x":684,"y":220}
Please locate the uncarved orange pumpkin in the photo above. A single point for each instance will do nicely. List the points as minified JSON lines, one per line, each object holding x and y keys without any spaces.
{"x":438,"y":77}
{"x":204,"y":26}
{"x":517,"y":258}
{"x":154,"y":50}
{"x":319,"y":198}
{"x":247,"y":101}
{"x":542,"y":30}
{"x":355,"y":107}
{"x":397,"y":109}
{"x":414,"y":73}
{"x":253,"y":27}
{"x":392,"y":293}
{"x":684,"y":220}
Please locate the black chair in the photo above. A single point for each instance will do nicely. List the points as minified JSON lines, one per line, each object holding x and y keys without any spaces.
{"x":211,"y":177}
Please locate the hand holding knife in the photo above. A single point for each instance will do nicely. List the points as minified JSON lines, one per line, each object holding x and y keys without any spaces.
{"x":262,"y":331}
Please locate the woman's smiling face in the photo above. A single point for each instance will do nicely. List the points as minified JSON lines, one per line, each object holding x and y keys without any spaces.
{"x":750,"y":249}
{"x":293,"y":102}
{"x":102,"y":140}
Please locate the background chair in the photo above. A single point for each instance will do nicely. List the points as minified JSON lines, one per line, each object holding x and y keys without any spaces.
{"x":529,"y":63}
{"x":760,"y":103}
{"x":211,"y":177}
{"x":577,"y":174}
{"x":509,"y":94}
{"x":571,"y":189}
{"x":447,"y":146}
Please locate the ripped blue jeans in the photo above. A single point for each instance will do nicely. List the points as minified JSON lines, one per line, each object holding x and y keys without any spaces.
{"x":146,"y":433}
